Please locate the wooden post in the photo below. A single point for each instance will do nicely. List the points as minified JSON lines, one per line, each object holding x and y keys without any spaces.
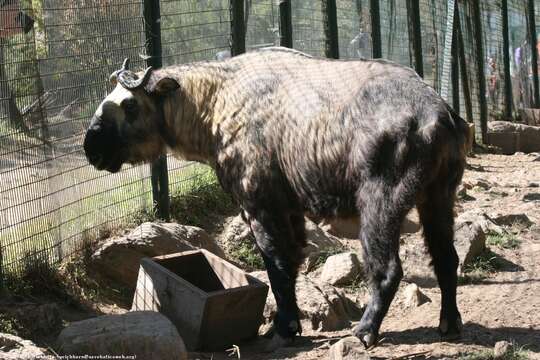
{"x":329,"y":12}
{"x":506,"y":61}
{"x":376,"y":29}
{"x":159,"y":171}
{"x":481,"y":76}
{"x":463,"y":67}
{"x":415,"y":35}
{"x":238,"y":31}
{"x":285,"y":24}
{"x":534,"y":54}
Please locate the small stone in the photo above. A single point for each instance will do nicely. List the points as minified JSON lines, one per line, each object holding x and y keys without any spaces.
{"x":533,"y":184}
{"x":513,"y":219}
{"x":349,"y":348}
{"x":483,"y":184}
{"x":414,"y":297}
{"x":341,"y":269}
{"x":531,"y":197}
{"x":500,"y":349}
{"x":470,"y":241}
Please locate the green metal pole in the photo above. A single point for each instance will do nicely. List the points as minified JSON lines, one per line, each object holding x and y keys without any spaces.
{"x":329,"y":12}
{"x":454,"y":71}
{"x":506,"y":61}
{"x":415,"y":35}
{"x":534,"y":53}
{"x":160,"y":175}
{"x":463,"y":66}
{"x":285,"y":24}
{"x":376,"y":28}
{"x":481,"y":76}
{"x":238,"y":30}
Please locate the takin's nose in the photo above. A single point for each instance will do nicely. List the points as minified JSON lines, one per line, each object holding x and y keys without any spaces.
{"x":25,"y":21}
{"x":92,"y":147}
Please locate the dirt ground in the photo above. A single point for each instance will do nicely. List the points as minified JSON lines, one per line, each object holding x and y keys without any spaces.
{"x":505,"y":305}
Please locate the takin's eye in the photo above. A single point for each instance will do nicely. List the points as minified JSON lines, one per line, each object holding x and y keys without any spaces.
{"x":131,"y":107}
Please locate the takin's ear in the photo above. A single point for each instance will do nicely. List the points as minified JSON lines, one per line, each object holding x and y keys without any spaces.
{"x":163,"y":86}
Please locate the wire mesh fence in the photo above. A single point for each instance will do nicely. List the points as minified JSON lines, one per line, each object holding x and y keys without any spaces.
{"x":56,"y":55}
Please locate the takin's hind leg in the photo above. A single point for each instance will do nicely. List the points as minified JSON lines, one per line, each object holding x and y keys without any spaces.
{"x":381,"y":215}
{"x":436,"y":214}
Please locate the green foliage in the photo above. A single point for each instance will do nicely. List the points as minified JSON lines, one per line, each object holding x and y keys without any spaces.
{"x":503,"y":241}
{"x":10,"y":325}
{"x":199,"y":200}
{"x":481,"y":268}
{"x":247,"y":255}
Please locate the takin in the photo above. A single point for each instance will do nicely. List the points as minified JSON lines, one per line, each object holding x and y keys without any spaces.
{"x":291,"y":135}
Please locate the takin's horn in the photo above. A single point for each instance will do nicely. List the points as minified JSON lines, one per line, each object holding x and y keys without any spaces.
{"x":131,"y":81}
{"x":114,"y":76}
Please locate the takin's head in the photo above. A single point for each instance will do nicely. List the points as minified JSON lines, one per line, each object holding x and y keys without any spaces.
{"x":127,"y":126}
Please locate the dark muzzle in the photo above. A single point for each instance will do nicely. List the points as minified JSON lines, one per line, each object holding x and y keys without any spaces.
{"x":102,"y":146}
{"x":24,"y":21}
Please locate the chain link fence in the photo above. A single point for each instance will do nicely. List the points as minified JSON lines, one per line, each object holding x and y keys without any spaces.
{"x":56,"y":55}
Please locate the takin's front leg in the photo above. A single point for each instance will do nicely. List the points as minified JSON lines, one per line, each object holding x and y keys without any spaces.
{"x":279,"y":238}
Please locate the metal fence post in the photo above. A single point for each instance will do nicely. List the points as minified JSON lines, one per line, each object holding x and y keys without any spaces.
{"x":331,"y":37}
{"x":375,"y":28}
{"x":463,"y":67}
{"x":160,"y":175}
{"x":415,"y":35}
{"x":238,"y":30}
{"x":506,"y":60}
{"x":534,"y":53}
{"x":454,"y":71}
{"x":481,"y":76}
{"x":285,"y":24}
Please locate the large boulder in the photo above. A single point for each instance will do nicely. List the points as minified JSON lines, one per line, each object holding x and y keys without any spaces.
{"x":513,"y":137}
{"x":14,"y":348}
{"x":119,"y":258}
{"x":143,"y":334}
{"x":322,"y":307}
{"x":341,"y":269}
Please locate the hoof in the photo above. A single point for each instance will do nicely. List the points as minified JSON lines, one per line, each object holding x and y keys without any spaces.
{"x":450,"y":331}
{"x":277,"y":342}
{"x":366,"y":336}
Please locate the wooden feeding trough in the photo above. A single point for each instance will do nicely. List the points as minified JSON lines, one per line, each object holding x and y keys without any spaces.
{"x":212,"y":303}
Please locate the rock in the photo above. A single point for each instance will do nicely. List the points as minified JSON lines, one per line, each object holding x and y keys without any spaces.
{"x":350,"y":227}
{"x":322,"y":307}
{"x":531,"y":197}
{"x":14,"y":348}
{"x":341,"y":269}
{"x":513,"y":137}
{"x":513,"y":219}
{"x":486,"y":223}
{"x":411,"y":223}
{"x":237,"y":231}
{"x":414,"y":297}
{"x":143,"y":334}
{"x":500,"y":349}
{"x":119,"y":258}
{"x":533,"y":184}
{"x":39,"y":318}
{"x":318,"y":240}
{"x":342,"y":227}
{"x":470,"y":241}
{"x":483,"y":184}
{"x":349,"y":348}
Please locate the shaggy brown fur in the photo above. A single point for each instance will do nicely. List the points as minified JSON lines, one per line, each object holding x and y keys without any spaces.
{"x":289,"y":134}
